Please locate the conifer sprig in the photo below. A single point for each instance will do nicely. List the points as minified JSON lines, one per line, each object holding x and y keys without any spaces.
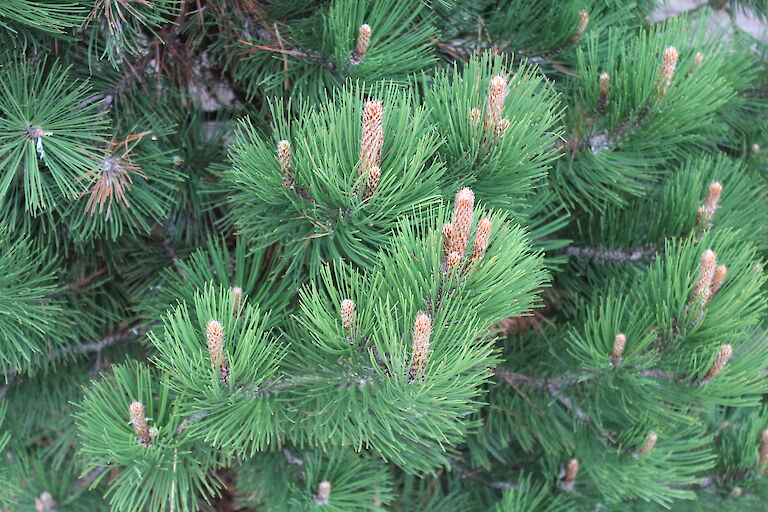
{"x":49,"y":130}
{"x":361,"y":165}
{"x":347,"y":39}
{"x":494,"y":141}
{"x":658,"y":99}
{"x":159,"y":470}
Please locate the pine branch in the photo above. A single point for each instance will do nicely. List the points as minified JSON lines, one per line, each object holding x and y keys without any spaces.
{"x":96,"y":346}
{"x":606,"y":255}
{"x":285,"y":384}
{"x":84,"y":483}
{"x":171,"y":251}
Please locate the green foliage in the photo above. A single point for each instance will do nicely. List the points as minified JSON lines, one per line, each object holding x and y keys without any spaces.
{"x":324,"y":215}
{"x":44,"y":484}
{"x":47,"y":16}
{"x":755,"y":7}
{"x":194,"y":214}
{"x":49,"y":134}
{"x":168,"y":474}
{"x":670,"y":211}
{"x":253,"y":271}
{"x":117,"y":28}
{"x":312,"y":55}
{"x":275,"y":396}
{"x":737,"y":434}
{"x":33,"y":320}
{"x":664,"y":363}
{"x":504,"y":168}
{"x":359,"y":483}
{"x":408,"y":278}
{"x":616,"y":151}
{"x":199,"y":155}
{"x":7,"y":495}
{"x":529,"y":497}
{"x":230,"y":415}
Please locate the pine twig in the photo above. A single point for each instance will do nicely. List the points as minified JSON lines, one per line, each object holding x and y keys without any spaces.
{"x":105,"y":342}
{"x":171,"y":251}
{"x":606,"y":255}
{"x":84,"y":483}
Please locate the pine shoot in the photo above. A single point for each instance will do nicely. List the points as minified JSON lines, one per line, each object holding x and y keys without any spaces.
{"x":422,"y":330}
{"x":447,"y":230}
{"x":215,"y":338}
{"x":618,"y":348}
{"x":323,"y":496}
{"x":139,"y":421}
{"x":702,"y":289}
{"x":650,"y":443}
{"x":284,"y":157}
{"x":482,"y":237}
{"x":717,"y":280}
{"x":494,"y":110}
{"x":371,"y":182}
{"x":348,"y":315}
{"x":763,"y":456}
{"x":582,"y":26}
{"x":667,"y":70}
{"x":237,"y":294}
{"x":571,"y":472}
{"x":461,"y":225}
{"x":722,"y":359}
{"x":372,"y":140}
{"x":45,"y":503}
{"x":361,"y":48}
{"x":707,"y":210}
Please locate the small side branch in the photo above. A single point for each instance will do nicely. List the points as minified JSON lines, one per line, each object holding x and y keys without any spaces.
{"x":84,"y":483}
{"x":99,"y":345}
{"x":606,"y":255}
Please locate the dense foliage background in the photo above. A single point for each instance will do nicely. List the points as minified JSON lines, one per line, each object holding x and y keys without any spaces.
{"x":342,"y":255}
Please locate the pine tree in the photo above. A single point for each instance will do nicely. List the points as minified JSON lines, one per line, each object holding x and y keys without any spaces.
{"x":458,"y":255}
